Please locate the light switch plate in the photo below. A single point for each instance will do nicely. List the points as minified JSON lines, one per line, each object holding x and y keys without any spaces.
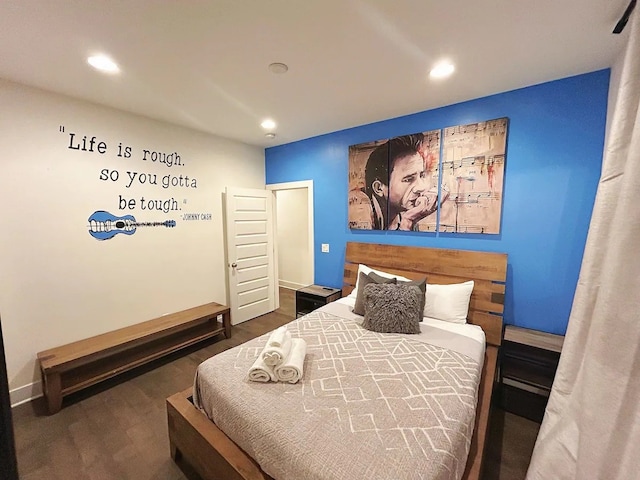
{"x":325,"y":248}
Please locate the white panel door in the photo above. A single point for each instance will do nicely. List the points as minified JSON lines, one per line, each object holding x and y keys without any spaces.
{"x":250,"y":254}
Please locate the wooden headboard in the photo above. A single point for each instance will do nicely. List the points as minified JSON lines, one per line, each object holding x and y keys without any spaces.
{"x":440,"y":266}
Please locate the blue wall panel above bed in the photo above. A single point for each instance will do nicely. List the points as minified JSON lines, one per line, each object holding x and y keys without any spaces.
{"x":554,"y":155}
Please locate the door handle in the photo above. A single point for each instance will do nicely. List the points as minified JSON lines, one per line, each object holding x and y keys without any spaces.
{"x":234,"y":265}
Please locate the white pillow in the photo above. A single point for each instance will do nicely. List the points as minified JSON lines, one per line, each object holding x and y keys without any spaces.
{"x":448,"y":302}
{"x":366,"y":270}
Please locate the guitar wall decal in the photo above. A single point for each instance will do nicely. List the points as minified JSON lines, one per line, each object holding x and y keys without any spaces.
{"x":103,"y":225}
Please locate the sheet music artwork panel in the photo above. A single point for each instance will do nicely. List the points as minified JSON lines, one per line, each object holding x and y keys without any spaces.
{"x":473,"y":162}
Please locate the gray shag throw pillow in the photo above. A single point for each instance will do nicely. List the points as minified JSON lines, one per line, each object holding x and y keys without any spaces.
{"x":365,"y":279}
{"x":392,"y":308}
{"x":422,"y":285}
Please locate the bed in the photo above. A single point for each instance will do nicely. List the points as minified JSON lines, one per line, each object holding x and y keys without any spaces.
{"x":214,"y":455}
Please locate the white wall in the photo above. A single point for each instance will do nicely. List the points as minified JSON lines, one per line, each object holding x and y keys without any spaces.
{"x":294,"y":269}
{"x":58,"y":283}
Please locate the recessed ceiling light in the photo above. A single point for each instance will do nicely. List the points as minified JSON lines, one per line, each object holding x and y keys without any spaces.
{"x":103,"y":63}
{"x":268,"y":124}
{"x":442,"y":70}
{"x":270,"y":135}
{"x":278,"y":67}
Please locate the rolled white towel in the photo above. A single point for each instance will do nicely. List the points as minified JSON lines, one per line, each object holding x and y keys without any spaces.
{"x":278,"y":347}
{"x":291,"y":369}
{"x":278,"y":336}
{"x":261,"y":372}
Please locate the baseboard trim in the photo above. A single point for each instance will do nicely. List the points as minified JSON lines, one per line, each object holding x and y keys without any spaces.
{"x":25,"y":394}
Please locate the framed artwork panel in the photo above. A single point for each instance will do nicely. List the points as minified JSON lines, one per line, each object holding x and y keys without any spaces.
{"x":473,"y":162}
{"x":363,"y":212}
{"x":393,"y":184}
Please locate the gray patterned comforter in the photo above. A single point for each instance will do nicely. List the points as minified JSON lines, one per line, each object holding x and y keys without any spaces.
{"x":369,"y":405}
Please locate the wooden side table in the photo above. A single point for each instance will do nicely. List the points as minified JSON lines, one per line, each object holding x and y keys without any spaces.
{"x":528,"y":364}
{"x":314,"y":296}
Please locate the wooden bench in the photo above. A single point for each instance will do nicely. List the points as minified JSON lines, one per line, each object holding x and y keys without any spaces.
{"x":72,"y":367}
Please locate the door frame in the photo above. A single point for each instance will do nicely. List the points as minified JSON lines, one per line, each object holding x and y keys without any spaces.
{"x":274,"y":187}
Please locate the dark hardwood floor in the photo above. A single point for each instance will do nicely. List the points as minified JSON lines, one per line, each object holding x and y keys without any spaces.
{"x":118,"y":430}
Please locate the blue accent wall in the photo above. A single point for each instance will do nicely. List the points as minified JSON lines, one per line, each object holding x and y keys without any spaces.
{"x":554,"y":155}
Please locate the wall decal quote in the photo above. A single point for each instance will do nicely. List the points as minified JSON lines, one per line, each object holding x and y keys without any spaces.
{"x":104,"y":225}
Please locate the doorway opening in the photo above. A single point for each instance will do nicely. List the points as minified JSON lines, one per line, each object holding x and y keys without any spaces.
{"x":293,"y":232}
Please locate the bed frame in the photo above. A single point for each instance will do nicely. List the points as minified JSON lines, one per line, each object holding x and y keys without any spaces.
{"x":205,"y":448}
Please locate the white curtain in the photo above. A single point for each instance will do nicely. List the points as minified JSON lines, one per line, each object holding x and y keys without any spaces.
{"x":591,"y":428}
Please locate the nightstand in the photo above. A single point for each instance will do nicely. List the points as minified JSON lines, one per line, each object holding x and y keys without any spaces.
{"x":527,"y":368}
{"x":314,"y":296}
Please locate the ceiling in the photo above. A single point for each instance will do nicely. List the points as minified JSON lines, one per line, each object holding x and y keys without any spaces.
{"x":204,"y":64}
